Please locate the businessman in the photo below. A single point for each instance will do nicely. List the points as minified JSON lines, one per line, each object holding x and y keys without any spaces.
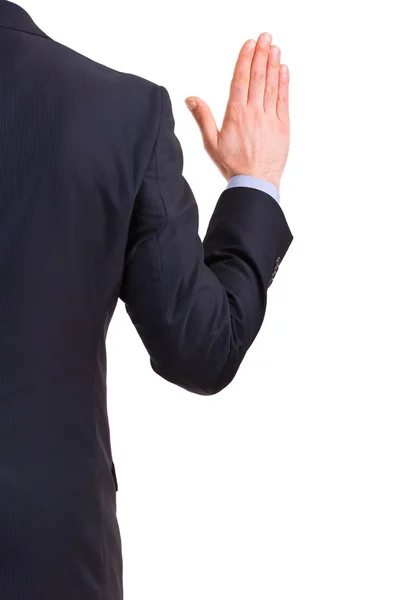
{"x":94,"y":207}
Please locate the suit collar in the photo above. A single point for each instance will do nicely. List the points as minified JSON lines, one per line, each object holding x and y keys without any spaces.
{"x":13,"y":16}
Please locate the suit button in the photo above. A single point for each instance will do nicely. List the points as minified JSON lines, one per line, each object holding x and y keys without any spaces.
{"x":276,"y":267}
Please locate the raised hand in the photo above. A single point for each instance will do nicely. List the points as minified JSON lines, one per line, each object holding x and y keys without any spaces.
{"x":255,"y":135}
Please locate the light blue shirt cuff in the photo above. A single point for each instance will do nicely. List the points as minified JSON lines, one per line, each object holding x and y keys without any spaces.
{"x":254,"y":182}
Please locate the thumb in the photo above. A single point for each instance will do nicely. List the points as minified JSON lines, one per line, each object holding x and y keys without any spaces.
{"x":205,"y":120}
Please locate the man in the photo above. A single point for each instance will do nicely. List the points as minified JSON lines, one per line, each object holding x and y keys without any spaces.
{"x":94,"y":207}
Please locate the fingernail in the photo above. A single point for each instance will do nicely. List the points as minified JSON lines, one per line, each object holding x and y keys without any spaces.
{"x":265,"y":38}
{"x":284,"y":74}
{"x":251,"y":44}
{"x":191,"y":104}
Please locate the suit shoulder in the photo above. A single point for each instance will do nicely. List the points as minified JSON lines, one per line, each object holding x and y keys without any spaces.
{"x":88,"y":67}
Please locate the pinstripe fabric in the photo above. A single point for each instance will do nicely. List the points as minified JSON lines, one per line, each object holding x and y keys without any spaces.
{"x":94,"y":207}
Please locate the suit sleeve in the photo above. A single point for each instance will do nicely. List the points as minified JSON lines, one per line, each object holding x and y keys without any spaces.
{"x":198,"y":307}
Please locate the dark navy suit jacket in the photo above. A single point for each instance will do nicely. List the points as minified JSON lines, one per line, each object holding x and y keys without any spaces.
{"x":93,"y":208}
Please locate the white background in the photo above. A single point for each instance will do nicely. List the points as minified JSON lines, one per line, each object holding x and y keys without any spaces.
{"x":284,"y":485}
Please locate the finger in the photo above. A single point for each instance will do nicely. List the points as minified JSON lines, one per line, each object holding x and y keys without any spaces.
{"x":258,"y":70}
{"x":272,"y":83}
{"x":241,"y":77}
{"x":282,"y":108}
{"x":205,"y":120}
